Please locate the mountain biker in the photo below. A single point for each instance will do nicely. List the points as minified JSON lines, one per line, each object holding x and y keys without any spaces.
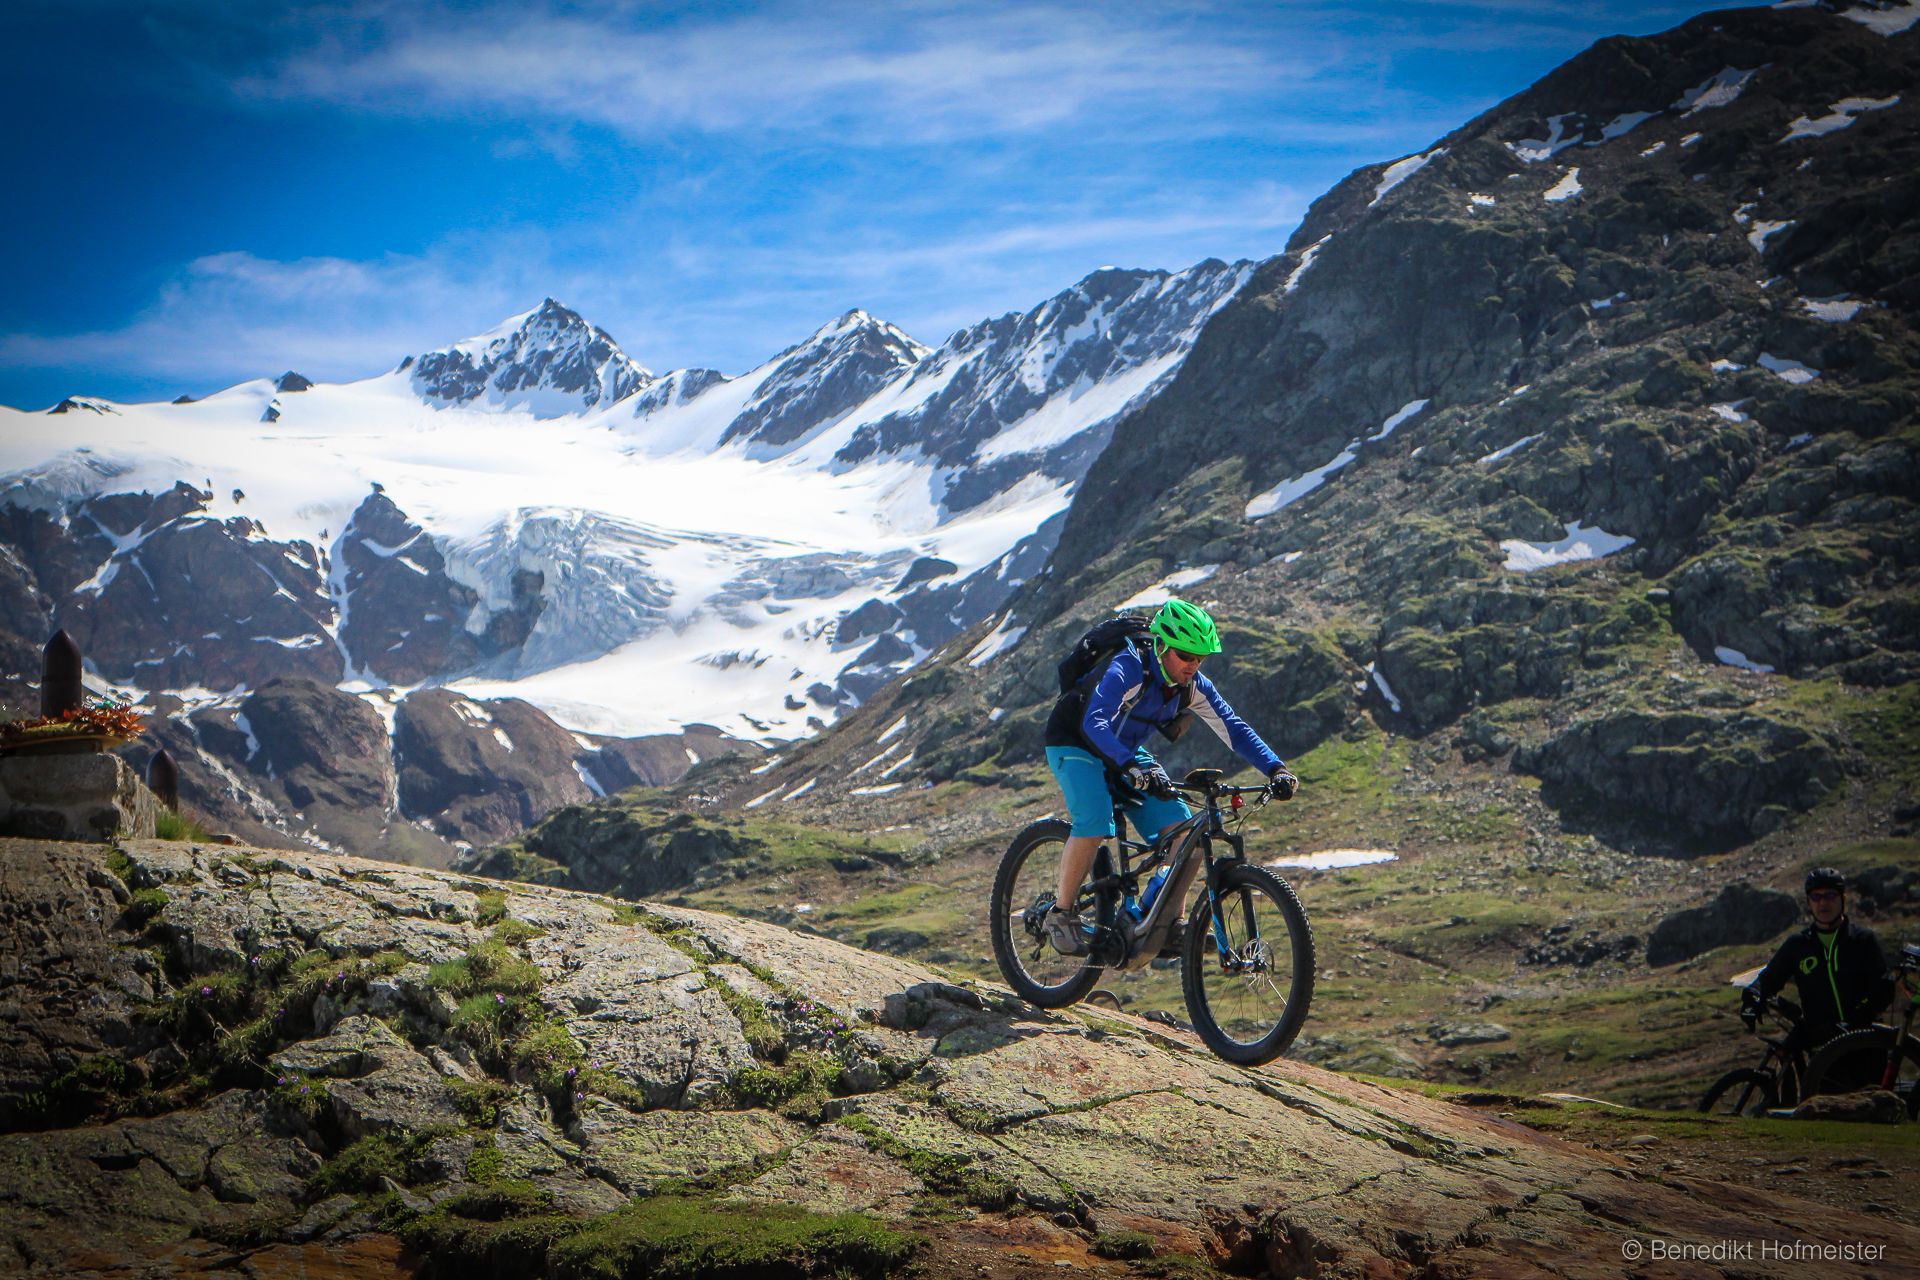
{"x":1094,"y":749}
{"x":1837,"y":965}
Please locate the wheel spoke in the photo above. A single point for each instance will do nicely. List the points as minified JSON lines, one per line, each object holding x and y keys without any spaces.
{"x":1243,"y":988}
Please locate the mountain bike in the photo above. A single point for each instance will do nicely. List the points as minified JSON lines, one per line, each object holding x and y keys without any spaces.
{"x":1753,"y":1091}
{"x":1246,"y":954}
{"x":1879,"y":1054}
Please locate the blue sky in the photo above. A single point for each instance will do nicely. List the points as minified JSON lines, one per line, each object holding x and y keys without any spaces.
{"x":205,"y":192}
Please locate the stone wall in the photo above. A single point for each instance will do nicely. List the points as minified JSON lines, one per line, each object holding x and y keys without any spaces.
{"x":89,"y":796}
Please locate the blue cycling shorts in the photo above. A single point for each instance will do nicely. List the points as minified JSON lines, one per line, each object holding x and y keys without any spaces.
{"x":1083,"y":781}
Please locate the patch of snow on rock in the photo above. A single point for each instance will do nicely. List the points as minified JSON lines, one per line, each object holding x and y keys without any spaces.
{"x":1482,"y":201}
{"x":1655,"y":149}
{"x":1510,"y":450}
{"x":1581,"y":543}
{"x":1724,"y":365}
{"x":1306,"y":260}
{"x":1288,"y":492}
{"x":1386,"y":690}
{"x":1399,"y":416}
{"x":1534,"y":150}
{"x":1623,"y":124}
{"x":997,"y":642}
{"x":1763,"y":230}
{"x":1567,"y":188}
{"x":1400,"y":170}
{"x":1730,"y":411}
{"x":1838,"y":117}
{"x":1832,"y":310}
{"x":1717,"y":90}
{"x":1329,"y":859}
{"x":1787,"y":370}
{"x":1735,"y":658}
{"x":1888,"y":22}
{"x":1161,"y":590}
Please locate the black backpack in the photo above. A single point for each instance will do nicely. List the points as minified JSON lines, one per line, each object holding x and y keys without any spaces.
{"x":1090,"y":656}
{"x":1097,"y":647}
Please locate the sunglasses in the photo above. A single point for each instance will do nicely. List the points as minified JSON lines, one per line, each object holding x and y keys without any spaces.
{"x":1824,"y":895}
{"x":1195,"y":658}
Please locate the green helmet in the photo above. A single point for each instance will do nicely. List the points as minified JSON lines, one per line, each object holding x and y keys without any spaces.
{"x":1182,"y":626}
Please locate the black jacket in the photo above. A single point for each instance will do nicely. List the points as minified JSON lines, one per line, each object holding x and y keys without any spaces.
{"x":1853,"y":991}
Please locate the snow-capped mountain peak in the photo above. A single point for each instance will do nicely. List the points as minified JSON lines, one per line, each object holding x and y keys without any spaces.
{"x":548,"y":360}
{"x":814,"y":383}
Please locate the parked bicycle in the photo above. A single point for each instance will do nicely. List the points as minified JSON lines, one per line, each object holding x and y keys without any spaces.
{"x":1752,"y":1091}
{"x":1878,"y":1055}
{"x":1245,"y":950}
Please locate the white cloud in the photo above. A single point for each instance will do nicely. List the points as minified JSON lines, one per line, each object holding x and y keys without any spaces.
{"x":923,"y":71}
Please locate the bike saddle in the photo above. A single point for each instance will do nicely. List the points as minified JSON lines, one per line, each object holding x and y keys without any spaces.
{"x":1203,"y":777}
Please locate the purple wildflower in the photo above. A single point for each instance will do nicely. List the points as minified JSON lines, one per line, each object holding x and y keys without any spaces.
{"x":206,"y":991}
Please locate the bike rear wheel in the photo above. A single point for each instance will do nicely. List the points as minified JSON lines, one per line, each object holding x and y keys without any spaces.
{"x":1248,"y":977}
{"x":1858,"y":1060}
{"x":1022,"y":890}
{"x":1746,"y":1092}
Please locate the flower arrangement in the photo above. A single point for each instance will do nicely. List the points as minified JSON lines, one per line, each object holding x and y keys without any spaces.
{"x":103,"y":721}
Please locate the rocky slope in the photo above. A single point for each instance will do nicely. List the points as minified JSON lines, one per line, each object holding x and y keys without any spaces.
{"x":1556,"y":492}
{"x":338,"y":1065}
{"x":1585,"y":440}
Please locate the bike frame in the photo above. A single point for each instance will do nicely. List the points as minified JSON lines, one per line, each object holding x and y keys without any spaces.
{"x":1176,"y":849}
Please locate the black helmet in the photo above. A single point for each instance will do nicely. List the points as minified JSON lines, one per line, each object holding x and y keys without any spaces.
{"x":1825,"y":878}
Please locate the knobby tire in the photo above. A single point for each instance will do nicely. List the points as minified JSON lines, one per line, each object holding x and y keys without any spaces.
{"x":1746,"y":1092}
{"x":1202,"y":960}
{"x":1012,"y":945}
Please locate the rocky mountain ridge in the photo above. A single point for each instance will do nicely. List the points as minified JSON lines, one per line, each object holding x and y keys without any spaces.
{"x":204,"y":592}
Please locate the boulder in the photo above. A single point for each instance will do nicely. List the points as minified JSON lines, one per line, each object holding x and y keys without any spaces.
{"x":1739,"y":915}
{"x":375,"y":1080}
{"x":1869,"y":1106}
{"x":1684,"y":779}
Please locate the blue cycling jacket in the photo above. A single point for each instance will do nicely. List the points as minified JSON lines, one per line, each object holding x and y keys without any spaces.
{"x":1130,"y":701}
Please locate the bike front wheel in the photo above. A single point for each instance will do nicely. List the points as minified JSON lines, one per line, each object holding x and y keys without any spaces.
{"x":1248,"y":972}
{"x":1746,"y":1092}
{"x":1023,"y":889}
{"x":1858,"y":1060}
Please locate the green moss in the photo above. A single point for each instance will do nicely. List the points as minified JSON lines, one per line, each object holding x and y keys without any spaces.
{"x":485,"y":1163}
{"x":799,"y":1087}
{"x":511,"y":933}
{"x":490,"y":906}
{"x":145,"y":905}
{"x":360,"y":1166}
{"x":490,"y":967}
{"x":1124,"y":1245}
{"x":480,"y":1100}
{"x":678,"y":1238}
{"x":121,"y":865}
{"x":957,"y":1177}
